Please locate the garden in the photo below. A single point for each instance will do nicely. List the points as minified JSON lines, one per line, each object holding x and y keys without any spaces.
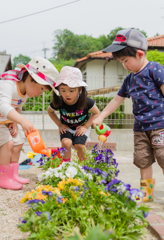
{"x":82,"y":200}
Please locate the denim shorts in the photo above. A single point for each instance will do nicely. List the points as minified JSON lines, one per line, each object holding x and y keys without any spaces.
{"x":148,"y":148}
{"x":75,"y":139}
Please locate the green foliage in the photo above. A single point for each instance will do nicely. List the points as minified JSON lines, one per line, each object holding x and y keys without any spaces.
{"x":156,"y":56}
{"x":72,"y":46}
{"x":115,"y":214}
{"x":20,"y":59}
{"x":60,"y":63}
{"x":35,"y":104}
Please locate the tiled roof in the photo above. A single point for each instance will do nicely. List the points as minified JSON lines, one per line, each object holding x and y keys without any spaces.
{"x":98,"y":54}
{"x":94,"y":55}
{"x":156,"y":41}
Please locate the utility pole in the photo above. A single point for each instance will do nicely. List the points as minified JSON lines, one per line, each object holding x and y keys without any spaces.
{"x":44,"y":50}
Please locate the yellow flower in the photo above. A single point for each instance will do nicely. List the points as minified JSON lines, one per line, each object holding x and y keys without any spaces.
{"x":64,"y":199}
{"x":56,"y":191}
{"x":40,"y":196}
{"x":31,"y":155}
{"x":23,"y":200}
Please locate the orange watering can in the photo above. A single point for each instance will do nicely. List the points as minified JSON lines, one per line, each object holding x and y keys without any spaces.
{"x":37,"y":144}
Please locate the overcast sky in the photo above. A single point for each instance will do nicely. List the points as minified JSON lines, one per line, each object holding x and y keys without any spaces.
{"x":29,"y":35}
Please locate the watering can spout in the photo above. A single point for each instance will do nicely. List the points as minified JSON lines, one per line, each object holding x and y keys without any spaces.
{"x":103,"y":131}
{"x":46,"y":152}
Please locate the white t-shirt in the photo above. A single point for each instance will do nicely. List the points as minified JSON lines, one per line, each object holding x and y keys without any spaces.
{"x":10,"y":98}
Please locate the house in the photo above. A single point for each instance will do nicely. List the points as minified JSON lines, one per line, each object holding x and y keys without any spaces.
{"x":156,"y":42}
{"x":100,"y":70}
{"x":103,"y":75}
{"x":5,"y":62}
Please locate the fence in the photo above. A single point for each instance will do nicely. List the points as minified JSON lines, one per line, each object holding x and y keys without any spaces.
{"x":35,"y":109}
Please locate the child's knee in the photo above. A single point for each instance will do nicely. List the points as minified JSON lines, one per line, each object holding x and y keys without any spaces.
{"x":79,"y":147}
{"x":66,"y":142}
{"x":18,"y":148}
{"x":9,"y":145}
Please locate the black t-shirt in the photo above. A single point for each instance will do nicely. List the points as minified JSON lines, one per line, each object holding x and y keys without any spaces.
{"x":71,"y":116}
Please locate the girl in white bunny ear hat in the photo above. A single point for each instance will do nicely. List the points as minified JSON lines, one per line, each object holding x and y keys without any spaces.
{"x":74,"y":107}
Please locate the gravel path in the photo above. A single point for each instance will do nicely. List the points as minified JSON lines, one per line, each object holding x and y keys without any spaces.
{"x":11,"y":209}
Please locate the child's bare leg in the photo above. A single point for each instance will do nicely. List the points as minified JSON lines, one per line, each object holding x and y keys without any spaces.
{"x":80,"y":151}
{"x":6,"y":153}
{"x":146,"y":173}
{"x":163,"y":171}
{"x":16,"y":153}
{"x":67,"y":144}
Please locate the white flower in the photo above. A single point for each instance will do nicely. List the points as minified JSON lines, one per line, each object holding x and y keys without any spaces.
{"x":57,"y":174}
{"x":83,"y":171}
{"x":47,"y":174}
{"x":50,"y":170}
{"x":60,"y":167}
{"x":89,"y":175}
{"x":40,"y":177}
{"x":71,"y":172}
{"x":61,"y":175}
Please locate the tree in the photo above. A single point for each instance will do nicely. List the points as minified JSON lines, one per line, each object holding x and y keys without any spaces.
{"x":70,"y":46}
{"x":20,"y":59}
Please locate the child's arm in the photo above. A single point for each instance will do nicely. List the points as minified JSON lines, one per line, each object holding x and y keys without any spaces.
{"x":110,"y":108}
{"x":54,"y":117}
{"x":81,"y":130}
{"x":27,"y":125}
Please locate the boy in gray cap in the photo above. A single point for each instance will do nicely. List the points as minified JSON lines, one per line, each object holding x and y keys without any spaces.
{"x":145,"y":85}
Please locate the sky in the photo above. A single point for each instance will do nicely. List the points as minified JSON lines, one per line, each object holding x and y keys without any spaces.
{"x":29,"y":35}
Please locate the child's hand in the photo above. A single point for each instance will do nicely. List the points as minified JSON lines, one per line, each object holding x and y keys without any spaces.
{"x":13,"y":129}
{"x":63,"y":128}
{"x":81,"y":130}
{"x":27,"y":126}
{"x":98,"y":121}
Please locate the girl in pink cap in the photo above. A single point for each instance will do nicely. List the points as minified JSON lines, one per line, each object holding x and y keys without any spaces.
{"x":74,"y":106}
{"x":32,"y":80}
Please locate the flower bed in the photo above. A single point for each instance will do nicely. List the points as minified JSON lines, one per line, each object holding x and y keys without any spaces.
{"x":84,"y":197}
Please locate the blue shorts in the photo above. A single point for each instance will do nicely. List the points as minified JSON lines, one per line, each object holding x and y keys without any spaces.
{"x":75,"y":139}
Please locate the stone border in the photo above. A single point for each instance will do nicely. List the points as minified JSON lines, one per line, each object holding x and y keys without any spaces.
{"x":156,"y":223}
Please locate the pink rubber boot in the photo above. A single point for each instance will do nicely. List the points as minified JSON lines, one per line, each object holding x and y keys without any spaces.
{"x":14,"y":169}
{"x":6,"y":180}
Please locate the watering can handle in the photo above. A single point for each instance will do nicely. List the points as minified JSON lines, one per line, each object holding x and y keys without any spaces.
{"x":102,"y":129}
{"x":32,"y":131}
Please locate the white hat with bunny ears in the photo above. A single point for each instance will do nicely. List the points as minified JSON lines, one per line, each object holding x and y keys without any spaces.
{"x":42,"y":71}
{"x":71,"y":76}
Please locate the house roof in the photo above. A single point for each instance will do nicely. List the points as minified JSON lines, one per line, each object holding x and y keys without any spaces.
{"x":94,"y":55}
{"x":5,"y":62}
{"x":156,"y":41}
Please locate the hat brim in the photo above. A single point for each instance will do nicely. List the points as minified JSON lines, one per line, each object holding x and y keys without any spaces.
{"x":35,"y":76}
{"x":82,"y":84}
{"x":114,"y":48}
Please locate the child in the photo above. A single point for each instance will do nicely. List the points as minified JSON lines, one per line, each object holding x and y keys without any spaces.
{"x":74,"y":106}
{"x":32,"y":80}
{"x":145,"y":85}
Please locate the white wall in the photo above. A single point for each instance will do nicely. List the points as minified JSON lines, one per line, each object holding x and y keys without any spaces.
{"x":114,"y":73}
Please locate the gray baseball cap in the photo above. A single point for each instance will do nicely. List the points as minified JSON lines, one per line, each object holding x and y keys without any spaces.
{"x":128,"y":37}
